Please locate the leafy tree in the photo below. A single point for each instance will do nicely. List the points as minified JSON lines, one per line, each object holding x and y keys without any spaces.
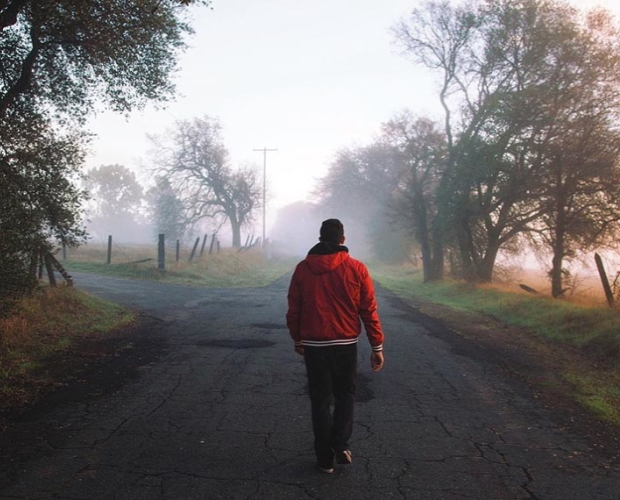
{"x":423,"y":154}
{"x":358,"y":188}
{"x":115,"y":198}
{"x":581,"y":193}
{"x":38,"y":200}
{"x":579,"y":184}
{"x":583,"y":209}
{"x":68,"y":54}
{"x":511,"y":72}
{"x":193,"y":158}
{"x":439,"y":36}
{"x":167,"y":210}
{"x":58,"y":59}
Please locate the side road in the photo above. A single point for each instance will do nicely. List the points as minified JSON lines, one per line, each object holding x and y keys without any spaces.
{"x":216,"y":407}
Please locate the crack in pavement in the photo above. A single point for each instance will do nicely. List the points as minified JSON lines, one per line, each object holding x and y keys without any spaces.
{"x":224,"y":413}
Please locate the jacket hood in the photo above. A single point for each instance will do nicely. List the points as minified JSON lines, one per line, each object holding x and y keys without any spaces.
{"x":324,"y":257}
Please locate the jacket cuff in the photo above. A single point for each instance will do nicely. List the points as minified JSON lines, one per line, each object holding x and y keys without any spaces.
{"x":377,"y":348}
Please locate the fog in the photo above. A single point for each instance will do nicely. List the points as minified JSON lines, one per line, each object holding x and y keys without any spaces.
{"x":261,"y":69}
{"x":296,"y":229}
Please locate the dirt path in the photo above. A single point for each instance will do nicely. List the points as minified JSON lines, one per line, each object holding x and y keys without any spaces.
{"x":217,"y":408}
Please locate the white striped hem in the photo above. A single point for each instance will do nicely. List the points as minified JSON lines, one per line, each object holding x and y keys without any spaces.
{"x":325,"y":343}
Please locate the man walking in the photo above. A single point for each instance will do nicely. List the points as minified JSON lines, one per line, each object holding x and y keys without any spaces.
{"x":329,"y":293}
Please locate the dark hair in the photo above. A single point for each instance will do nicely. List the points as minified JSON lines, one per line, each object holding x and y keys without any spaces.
{"x":332,"y":231}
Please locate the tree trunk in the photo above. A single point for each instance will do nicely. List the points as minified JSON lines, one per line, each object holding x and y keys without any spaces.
{"x":423,"y":236}
{"x":466,"y":249}
{"x":437,"y":263}
{"x":556,"y":264}
{"x":427,"y":259}
{"x":437,"y":267}
{"x":484,"y":271}
{"x":236,"y":233}
{"x":556,"y":276}
{"x":558,"y":249}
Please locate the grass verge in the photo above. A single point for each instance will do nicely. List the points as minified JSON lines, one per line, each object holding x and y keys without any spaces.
{"x":226,"y":269}
{"x":45,"y":326}
{"x":591,"y":335}
{"x":54,"y":325}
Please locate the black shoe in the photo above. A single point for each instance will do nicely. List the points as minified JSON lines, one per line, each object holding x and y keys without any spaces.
{"x":344,"y":457}
{"x":326,"y":468}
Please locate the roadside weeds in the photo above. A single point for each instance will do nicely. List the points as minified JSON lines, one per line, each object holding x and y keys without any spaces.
{"x":53,"y":334}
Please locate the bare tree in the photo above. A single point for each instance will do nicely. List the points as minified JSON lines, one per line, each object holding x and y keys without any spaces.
{"x":194,"y":160}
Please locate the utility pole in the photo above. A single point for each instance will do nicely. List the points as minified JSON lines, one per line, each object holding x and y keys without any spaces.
{"x":264,"y":150}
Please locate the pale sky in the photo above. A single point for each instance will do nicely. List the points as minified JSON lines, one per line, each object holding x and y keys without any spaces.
{"x":307,"y":77}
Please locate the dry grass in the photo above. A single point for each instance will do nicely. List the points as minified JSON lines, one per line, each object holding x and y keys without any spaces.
{"x":583,"y":288}
{"x":228,"y":268}
{"x":44,"y":326}
{"x":53,"y":324}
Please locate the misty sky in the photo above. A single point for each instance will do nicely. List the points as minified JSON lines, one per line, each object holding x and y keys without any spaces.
{"x":305,"y":77}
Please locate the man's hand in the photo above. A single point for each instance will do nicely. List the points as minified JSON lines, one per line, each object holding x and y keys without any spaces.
{"x":299,"y":349}
{"x":376,"y":360}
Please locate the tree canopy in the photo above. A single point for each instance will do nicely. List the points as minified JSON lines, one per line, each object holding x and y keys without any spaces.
{"x":115,"y":199}
{"x":521,"y":81}
{"x":196,"y":163}
{"x":69,"y":55}
{"x":60,"y":60}
{"x":167,"y":210}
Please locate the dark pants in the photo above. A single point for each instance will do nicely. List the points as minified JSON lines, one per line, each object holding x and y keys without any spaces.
{"x":331,"y":371}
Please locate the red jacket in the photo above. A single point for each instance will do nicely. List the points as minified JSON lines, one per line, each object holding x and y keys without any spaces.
{"x":329,"y":293}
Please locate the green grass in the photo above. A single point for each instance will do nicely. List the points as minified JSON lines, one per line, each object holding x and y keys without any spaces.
{"x":602,"y":398}
{"x":593,"y":331}
{"x":549,"y":318}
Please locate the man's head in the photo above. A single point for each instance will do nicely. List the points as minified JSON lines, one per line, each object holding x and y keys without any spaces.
{"x":332,"y":232}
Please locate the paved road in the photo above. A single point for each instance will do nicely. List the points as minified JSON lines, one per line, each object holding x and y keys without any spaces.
{"x":224,"y":413}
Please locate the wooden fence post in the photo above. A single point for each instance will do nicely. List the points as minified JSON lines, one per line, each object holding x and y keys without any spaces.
{"x":50,"y":269}
{"x":63,"y":272}
{"x":64,"y":251}
{"x":161,"y":252}
{"x":204,"y":242}
{"x":212,"y":243}
{"x":601,"y":271}
{"x":178,"y":252}
{"x":191,"y":256}
{"x":218,"y":246}
{"x":109,"y":249}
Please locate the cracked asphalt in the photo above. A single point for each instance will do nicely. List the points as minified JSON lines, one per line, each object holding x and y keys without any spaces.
{"x":222,"y":412}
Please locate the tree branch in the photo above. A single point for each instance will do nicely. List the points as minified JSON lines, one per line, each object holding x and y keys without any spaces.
{"x":9,"y":12}
{"x":23,"y":82}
